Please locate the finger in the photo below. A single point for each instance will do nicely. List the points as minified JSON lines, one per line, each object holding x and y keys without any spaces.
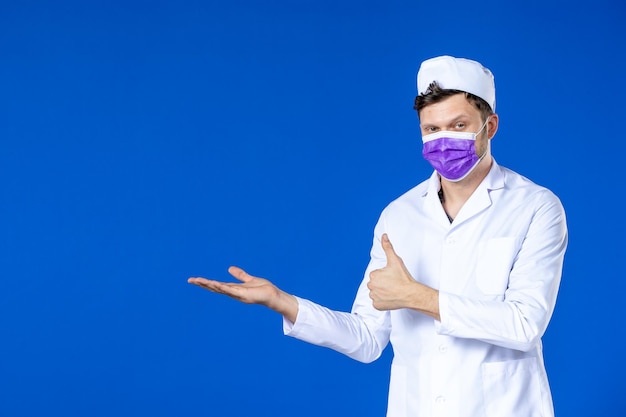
{"x":230,"y":289}
{"x":197,"y":280}
{"x":388,"y":248}
{"x":240,"y":274}
{"x":204,"y":283}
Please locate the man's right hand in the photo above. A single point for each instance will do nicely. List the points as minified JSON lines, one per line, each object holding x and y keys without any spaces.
{"x":252,"y":290}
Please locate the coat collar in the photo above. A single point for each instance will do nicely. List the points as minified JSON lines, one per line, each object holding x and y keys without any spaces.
{"x":477,"y":202}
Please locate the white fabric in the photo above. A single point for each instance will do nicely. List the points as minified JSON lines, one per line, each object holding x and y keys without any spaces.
{"x":458,"y":74}
{"x":497,"y":267}
{"x":449,"y":134}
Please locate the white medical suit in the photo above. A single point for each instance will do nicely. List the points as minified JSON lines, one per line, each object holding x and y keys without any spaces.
{"x":497,"y":267}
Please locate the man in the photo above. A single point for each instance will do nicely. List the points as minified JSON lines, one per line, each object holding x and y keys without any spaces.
{"x":464,"y":270}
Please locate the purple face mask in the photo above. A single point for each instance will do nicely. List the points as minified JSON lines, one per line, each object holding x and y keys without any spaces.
{"x":452,"y":154}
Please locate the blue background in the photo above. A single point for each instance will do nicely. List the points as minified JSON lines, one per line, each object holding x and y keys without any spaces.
{"x":143,"y":142}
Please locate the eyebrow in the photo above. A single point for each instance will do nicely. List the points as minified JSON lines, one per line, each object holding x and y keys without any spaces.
{"x":462,"y":116}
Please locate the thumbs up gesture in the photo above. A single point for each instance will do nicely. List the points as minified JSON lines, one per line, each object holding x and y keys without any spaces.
{"x":393,"y":287}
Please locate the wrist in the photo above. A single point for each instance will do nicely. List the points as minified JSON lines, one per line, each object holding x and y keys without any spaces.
{"x":426,"y":300}
{"x":285,"y":304}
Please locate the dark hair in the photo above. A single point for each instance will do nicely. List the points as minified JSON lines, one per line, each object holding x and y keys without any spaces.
{"x":435,"y":94}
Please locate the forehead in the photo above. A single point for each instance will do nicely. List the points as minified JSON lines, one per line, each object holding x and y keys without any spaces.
{"x":450,"y":109}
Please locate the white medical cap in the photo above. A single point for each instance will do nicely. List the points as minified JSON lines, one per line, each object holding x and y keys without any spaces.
{"x":458,"y":74}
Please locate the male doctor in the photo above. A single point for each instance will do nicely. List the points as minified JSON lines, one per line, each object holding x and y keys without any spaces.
{"x":464,"y":270}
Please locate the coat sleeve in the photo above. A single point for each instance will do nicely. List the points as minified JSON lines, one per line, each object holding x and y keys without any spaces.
{"x":361,"y":334}
{"x":521,"y":318}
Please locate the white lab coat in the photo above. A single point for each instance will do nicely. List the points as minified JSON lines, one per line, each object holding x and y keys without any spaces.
{"x":497,"y":268}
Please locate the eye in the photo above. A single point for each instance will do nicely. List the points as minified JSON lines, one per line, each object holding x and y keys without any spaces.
{"x":460,"y":125}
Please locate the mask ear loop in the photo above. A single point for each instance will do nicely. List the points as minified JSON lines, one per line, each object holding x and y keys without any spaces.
{"x":488,"y":140}
{"x":483,"y":126}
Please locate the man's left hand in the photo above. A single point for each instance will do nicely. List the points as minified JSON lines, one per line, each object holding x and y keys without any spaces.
{"x":393,"y":287}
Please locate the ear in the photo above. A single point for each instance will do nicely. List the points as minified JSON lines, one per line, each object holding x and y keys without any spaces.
{"x":492,"y":126}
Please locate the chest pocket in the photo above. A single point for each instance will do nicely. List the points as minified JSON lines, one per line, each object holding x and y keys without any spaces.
{"x":495,"y":259}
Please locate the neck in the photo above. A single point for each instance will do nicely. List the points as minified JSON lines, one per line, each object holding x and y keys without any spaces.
{"x":455,"y":194}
